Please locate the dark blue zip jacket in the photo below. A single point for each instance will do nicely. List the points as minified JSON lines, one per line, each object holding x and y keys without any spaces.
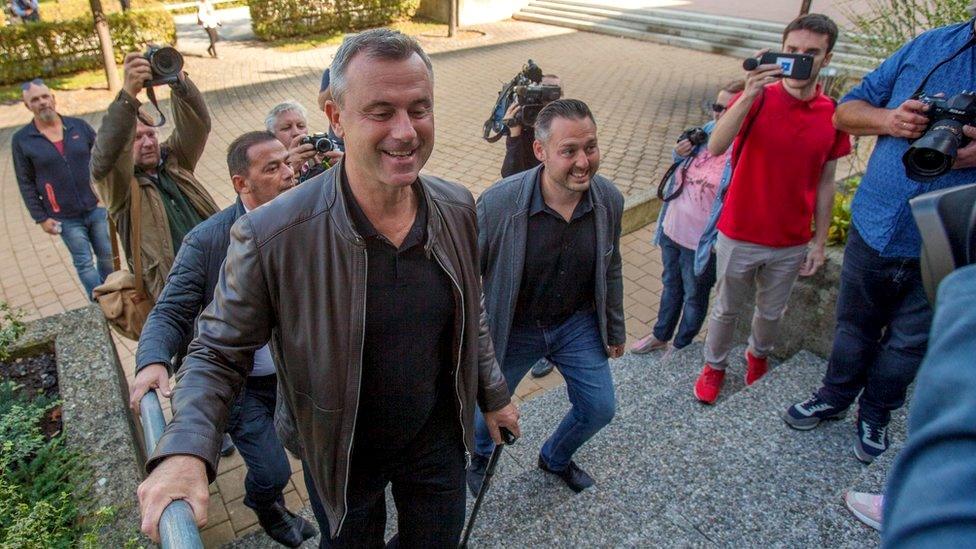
{"x":55,"y":186}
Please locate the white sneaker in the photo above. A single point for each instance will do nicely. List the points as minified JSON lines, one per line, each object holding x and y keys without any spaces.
{"x":866,"y":507}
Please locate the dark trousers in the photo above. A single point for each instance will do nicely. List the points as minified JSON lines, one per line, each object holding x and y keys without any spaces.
{"x":883,"y":320}
{"x":251,"y":427}
{"x":212,"y":35}
{"x":428,"y":490}
{"x":684,"y":295}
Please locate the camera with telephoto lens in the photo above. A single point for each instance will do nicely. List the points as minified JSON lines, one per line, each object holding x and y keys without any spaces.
{"x":527,"y":90}
{"x":166,"y":64}
{"x":932,"y":155}
{"x":695,"y":136}
{"x":320,"y":141}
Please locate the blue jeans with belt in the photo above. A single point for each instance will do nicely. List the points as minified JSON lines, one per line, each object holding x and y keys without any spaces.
{"x":684,"y":296}
{"x":883,"y":320}
{"x":85,"y":234}
{"x":576,"y":348}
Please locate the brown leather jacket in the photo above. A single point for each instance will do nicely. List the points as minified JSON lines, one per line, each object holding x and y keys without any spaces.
{"x":112,"y":171}
{"x":295,"y":274}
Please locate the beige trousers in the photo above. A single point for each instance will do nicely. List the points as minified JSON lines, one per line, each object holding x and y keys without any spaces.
{"x":744,"y":269}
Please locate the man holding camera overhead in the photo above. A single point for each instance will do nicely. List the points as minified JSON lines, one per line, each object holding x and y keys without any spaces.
{"x":883,"y":317}
{"x":784,"y":152}
{"x":171,"y":200}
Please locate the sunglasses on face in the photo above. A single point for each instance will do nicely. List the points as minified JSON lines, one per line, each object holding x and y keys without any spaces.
{"x":717,"y":107}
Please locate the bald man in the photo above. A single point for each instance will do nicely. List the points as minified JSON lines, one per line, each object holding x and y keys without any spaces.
{"x":51,"y":158}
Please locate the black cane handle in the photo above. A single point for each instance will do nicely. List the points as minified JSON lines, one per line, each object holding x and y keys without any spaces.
{"x":507,"y":436}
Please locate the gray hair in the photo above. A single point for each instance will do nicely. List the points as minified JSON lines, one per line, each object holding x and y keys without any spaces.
{"x":573,"y":109}
{"x":386,"y":44}
{"x":281,"y":108}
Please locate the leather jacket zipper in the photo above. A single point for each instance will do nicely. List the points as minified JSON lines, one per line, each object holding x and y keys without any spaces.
{"x":457,"y":368}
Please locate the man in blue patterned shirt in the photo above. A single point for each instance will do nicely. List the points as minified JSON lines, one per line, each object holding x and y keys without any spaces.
{"x":883,"y":316}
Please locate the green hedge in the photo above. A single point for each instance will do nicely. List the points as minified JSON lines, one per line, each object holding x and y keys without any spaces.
{"x":274,"y":19}
{"x":47,"y":49}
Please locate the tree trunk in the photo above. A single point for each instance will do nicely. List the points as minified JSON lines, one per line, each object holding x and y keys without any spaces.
{"x":105,"y":40}
{"x":805,"y":7}
{"x":452,"y":18}
{"x":124,"y":4}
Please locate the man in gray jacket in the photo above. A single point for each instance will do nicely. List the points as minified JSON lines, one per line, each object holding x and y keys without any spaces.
{"x":365,"y":280}
{"x":551,"y":268}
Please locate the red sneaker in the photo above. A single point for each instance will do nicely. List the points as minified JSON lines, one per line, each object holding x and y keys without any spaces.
{"x":709,"y":384}
{"x":757,"y":367}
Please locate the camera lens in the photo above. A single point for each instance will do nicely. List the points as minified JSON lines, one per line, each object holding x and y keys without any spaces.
{"x":933,"y":154}
{"x":167,"y":61}
{"x":324,"y":145}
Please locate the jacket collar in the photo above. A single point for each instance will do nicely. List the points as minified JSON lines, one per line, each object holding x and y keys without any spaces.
{"x":528,"y":189}
{"x":67,"y":125}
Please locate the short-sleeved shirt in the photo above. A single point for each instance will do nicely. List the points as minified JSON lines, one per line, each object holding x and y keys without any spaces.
{"x":688,"y":213}
{"x":773,"y":192}
{"x":880,"y":210}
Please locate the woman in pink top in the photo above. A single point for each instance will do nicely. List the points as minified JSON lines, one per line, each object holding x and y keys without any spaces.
{"x":680,"y":225}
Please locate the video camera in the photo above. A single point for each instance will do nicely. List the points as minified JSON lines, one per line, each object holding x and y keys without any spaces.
{"x":527,"y":90}
{"x":932,"y":155}
{"x":947,"y":222}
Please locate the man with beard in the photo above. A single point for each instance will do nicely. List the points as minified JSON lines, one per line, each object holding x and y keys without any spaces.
{"x":550,"y":261}
{"x":51,"y":157}
{"x":365,"y":280}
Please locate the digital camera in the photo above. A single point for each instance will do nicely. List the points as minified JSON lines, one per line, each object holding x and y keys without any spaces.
{"x":695,"y":136}
{"x":932,"y":155}
{"x":320,"y":141}
{"x":166,"y":64}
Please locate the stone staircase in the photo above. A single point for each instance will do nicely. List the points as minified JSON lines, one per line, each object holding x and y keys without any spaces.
{"x":674,"y":473}
{"x":699,"y":31}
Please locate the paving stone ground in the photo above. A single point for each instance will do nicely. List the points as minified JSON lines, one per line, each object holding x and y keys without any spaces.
{"x":642,"y":94}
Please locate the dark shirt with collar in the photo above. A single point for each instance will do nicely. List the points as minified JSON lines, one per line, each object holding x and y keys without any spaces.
{"x":55,"y":185}
{"x":406,"y":387}
{"x":560,"y":262}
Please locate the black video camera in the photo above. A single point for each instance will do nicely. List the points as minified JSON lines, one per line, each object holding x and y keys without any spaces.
{"x":947,"y":221}
{"x":525,"y":89}
{"x":321,"y":142}
{"x":695,"y":136}
{"x":166,"y":64}
{"x":932,"y":155}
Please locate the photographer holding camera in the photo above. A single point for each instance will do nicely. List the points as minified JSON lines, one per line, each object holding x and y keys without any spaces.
{"x":690,"y":194}
{"x":883,"y":317}
{"x":171,"y":199}
{"x":519,"y":155}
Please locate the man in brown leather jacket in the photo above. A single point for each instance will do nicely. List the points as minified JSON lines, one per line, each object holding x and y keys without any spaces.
{"x":366,"y":282}
{"x":172,"y":201}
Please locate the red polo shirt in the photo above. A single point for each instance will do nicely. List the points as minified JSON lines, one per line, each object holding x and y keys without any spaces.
{"x":773,"y":192}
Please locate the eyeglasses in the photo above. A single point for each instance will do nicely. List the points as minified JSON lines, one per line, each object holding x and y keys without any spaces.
{"x":34,"y":82}
{"x":717,"y":107}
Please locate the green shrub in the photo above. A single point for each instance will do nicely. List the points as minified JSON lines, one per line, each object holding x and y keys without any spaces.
{"x":275,"y":19}
{"x":11,"y":328}
{"x":44,"y":487}
{"x":47,"y":49}
{"x":840,"y":222}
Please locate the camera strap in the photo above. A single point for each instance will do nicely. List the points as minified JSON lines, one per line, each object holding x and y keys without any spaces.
{"x":969,"y":43}
{"x":683,"y":164}
{"x":151,"y":93}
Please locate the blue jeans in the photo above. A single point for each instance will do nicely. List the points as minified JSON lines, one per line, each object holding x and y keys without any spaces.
{"x":251,"y":427}
{"x":576,"y":348}
{"x":685,"y":295}
{"x":883,"y":320}
{"x":82,"y":235}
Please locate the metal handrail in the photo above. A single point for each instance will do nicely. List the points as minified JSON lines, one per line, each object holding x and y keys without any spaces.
{"x":177,"y":527}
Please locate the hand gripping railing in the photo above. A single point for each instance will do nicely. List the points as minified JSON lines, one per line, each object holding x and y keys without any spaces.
{"x":177,"y":527}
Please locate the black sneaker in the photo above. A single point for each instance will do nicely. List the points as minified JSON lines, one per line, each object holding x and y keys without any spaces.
{"x":475,"y":475}
{"x":574,"y":477}
{"x":541,"y":368}
{"x":872,"y":440}
{"x":808,"y":414}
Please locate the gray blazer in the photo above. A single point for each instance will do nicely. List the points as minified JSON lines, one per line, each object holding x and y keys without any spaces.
{"x":503,"y":222}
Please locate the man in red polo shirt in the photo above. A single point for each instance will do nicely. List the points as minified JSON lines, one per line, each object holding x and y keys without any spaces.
{"x":785,"y":149}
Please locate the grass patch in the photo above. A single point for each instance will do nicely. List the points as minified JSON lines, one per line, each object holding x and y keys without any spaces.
{"x":11,"y":93}
{"x":418,"y":26}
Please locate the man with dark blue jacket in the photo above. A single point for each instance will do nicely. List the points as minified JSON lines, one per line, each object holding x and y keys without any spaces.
{"x":51,"y":157}
{"x":257,"y":165}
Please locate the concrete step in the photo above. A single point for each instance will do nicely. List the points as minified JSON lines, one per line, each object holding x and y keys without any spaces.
{"x":703,"y":32}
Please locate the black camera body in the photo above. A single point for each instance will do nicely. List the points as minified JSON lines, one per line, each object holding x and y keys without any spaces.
{"x":532,"y":98}
{"x":695,"y":136}
{"x":320,"y":141}
{"x":933,"y":154}
{"x":166,"y":64}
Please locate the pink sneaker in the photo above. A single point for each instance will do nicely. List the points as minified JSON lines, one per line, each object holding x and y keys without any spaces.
{"x":647,"y":344}
{"x":866,"y":507}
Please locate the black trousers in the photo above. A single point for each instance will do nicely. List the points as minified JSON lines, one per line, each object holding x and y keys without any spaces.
{"x":428,"y":490}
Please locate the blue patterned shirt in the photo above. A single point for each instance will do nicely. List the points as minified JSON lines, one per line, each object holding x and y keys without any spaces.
{"x":880,"y":210}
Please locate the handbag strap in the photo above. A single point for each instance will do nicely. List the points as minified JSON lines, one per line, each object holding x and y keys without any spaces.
{"x":135,"y":232}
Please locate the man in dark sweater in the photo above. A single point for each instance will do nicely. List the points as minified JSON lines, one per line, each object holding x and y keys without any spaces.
{"x":51,"y":157}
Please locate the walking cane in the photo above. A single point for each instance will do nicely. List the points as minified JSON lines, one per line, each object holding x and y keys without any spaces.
{"x":508,"y":438}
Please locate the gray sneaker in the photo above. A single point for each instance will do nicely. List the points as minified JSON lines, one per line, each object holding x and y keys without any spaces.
{"x":808,"y":414}
{"x":871,"y":441}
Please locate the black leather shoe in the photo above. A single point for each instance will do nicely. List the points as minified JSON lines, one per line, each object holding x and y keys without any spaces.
{"x":227,"y":447}
{"x":574,"y":477}
{"x":283,"y":526}
{"x":476,"y":473}
{"x":541,"y":368}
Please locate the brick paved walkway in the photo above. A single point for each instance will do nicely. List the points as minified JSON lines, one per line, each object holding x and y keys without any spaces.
{"x":642,"y":95}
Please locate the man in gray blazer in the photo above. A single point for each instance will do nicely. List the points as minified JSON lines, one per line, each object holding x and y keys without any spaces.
{"x":551,"y":270}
